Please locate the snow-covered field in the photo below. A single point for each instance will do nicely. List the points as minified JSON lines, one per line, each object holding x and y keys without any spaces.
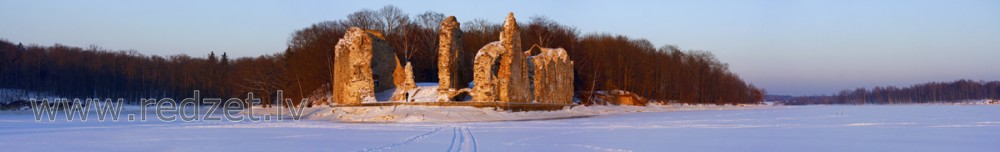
{"x":786,"y":128}
{"x":472,"y":114}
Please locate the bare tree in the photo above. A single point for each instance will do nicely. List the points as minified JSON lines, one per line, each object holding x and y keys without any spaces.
{"x":430,"y":20}
{"x":392,"y":19}
{"x":364,"y":18}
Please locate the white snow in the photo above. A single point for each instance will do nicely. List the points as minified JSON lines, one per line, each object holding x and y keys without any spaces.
{"x":425,"y":92}
{"x":685,"y":128}
{"x":472,"y":114}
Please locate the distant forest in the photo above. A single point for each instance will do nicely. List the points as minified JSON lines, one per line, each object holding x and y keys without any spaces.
{"x":933,"y":92}
{"x":602,"y":62}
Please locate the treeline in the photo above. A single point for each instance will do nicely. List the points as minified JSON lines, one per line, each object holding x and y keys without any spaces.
{"x":98,"y":73}
{"x":933,"y":92}
{"x":602,"y":62}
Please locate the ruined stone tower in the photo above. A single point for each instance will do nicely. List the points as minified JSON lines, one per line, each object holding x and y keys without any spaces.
{"x":500,"y":68}
{"x":364,"y":63}
{"x":454,"y":68}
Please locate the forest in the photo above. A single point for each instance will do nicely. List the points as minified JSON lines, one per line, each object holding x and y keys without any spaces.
{"x":603,"y":61}
{"x":932,"y":92}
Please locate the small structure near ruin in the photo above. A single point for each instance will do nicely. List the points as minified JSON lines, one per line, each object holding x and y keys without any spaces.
{"x":613,"y":97}
{"x":405,"y":83}
{"x":364,"y":63}
{"x":454,"y":68}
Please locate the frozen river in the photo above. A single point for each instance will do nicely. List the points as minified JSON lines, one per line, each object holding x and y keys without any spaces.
{"x":790,"y":128}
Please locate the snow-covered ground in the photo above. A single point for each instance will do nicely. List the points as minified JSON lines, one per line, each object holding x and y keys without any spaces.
{"x":472,"y":114}
{"x":785,"y":128}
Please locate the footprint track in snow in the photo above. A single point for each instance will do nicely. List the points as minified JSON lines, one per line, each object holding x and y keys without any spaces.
{"x":404,"y":142}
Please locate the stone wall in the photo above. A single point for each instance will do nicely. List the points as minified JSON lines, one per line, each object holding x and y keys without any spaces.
{"x":364,"y":63}
{"x":502,"y":72}
{"x":486,"y":70}
{"x":552,"y":76}
{"x":454,"y":68}
{"x":513,"y":83}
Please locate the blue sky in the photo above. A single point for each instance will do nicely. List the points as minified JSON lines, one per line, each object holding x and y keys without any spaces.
{"x":786,"y":47}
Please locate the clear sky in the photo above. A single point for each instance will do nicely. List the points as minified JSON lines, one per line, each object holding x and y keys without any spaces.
{"x":786,"y":47}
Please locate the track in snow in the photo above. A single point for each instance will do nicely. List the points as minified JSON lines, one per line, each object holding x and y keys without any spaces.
{"x":462,"y":139}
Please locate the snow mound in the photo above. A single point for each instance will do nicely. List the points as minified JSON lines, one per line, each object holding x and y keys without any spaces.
{"x":424,"y":92}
